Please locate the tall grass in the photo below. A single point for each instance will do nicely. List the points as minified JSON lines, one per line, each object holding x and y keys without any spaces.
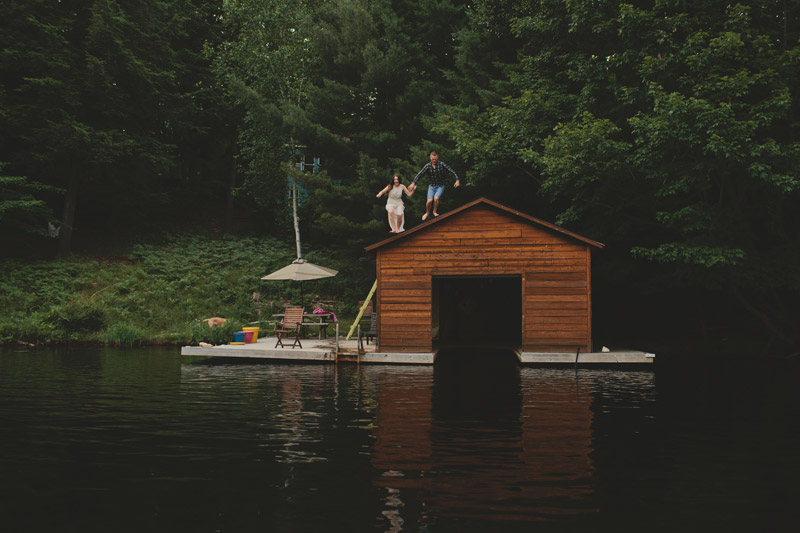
{"x":124,"y":334}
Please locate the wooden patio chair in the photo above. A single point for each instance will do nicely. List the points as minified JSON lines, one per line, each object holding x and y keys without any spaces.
{"x":292,"y":321}
{"x":372,"y":332}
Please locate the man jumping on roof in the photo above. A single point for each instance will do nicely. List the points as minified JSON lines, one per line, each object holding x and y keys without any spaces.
{"x":436,"y":183}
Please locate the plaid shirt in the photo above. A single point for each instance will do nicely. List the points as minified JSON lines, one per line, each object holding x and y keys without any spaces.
{"x":435,"y":175}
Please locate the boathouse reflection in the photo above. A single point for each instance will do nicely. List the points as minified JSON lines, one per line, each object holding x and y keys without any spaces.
{"x":482,"y":438}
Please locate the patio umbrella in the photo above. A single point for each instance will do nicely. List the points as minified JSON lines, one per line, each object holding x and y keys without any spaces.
{"x":301,"y":270}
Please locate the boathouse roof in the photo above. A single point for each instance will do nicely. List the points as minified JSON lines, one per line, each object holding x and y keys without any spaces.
{"x":489,"y":203}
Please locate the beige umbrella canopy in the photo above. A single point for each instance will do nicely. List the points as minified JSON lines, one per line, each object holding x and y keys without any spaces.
{"x":301,"y":270}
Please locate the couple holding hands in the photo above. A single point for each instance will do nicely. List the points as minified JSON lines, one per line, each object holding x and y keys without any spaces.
{"x":436,"y":184}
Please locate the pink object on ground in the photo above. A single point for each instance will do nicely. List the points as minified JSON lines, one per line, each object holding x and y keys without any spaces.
{"x":321,"y":311}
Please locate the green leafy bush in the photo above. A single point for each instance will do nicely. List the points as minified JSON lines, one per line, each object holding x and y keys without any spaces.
{"x":34,"y":328}
{"x":200,"y":332}
{"x":79,"y":315}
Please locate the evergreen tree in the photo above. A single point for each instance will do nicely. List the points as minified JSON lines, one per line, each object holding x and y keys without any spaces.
{"x":98,"y":96}
{"x":23,"y":211}
{"x":382,"y":71}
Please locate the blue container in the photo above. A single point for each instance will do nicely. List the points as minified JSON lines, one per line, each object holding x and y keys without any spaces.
{"x":238,"y":336}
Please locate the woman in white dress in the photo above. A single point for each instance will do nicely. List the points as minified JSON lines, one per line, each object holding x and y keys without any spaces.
{"x":394,"y":203}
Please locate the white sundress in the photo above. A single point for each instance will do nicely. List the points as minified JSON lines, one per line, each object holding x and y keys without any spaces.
{"x":395,"y":202}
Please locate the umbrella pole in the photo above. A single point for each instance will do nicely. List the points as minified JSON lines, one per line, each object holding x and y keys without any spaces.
{"x":301,"y":293}
{"x":296,"y":221}
{"x":297,"y":232}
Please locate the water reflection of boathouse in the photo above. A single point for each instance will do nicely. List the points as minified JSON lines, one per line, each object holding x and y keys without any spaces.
{"x":452,"y":440}
{"x":484,"y":274}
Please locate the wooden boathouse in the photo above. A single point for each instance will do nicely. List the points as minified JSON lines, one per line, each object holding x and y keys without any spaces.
{"x":485,"y":275}
{"x":482,"y":275}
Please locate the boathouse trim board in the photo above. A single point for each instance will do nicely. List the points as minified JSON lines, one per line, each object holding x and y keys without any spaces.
{"x":484,"y":238}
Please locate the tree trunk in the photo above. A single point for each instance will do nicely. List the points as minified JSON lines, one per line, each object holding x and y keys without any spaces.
{"x":68,"y":220}
{"x":768,"y":323}
{"x":231,"y":186}
{"x":229,"y":200}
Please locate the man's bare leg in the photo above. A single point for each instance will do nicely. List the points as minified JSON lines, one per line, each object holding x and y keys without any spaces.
{"x":427,"y":209}
{"x":436,"y":206}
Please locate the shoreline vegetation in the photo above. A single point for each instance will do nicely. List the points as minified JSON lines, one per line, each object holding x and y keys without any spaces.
{"x":158,"y":294}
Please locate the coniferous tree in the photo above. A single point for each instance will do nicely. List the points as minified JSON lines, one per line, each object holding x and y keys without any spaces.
{"x":99,"y":95}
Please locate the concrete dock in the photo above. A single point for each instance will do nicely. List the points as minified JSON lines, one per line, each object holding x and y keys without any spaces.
{"x":321,"y":350}
{"x":325,"y":350}
{"x":592,"y":358}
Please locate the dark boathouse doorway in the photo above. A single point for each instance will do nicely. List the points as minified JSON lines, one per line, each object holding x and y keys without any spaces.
{"x":474,"y":311}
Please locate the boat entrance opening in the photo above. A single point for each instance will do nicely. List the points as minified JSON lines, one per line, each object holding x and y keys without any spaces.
{"x":473,"y":311}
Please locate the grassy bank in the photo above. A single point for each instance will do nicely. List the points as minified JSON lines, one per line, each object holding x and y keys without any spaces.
{"x":159,"y":293}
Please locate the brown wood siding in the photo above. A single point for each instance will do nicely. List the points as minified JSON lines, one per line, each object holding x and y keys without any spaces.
{"x":485,"y":241}
{"x":589,"y":347}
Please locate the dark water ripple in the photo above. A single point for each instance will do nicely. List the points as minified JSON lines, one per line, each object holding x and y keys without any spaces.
{"x":141,"y":440}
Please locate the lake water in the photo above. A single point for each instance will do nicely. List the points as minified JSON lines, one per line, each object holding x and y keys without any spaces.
{"x":144,"y":440}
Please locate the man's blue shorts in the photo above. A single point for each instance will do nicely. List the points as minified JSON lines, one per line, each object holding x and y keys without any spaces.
{"x":435,"y":191}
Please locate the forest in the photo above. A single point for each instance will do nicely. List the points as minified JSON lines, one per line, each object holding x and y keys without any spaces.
{"x":152,"y":143}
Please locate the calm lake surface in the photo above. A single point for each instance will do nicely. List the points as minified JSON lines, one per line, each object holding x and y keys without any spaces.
{"x":144,"y":440}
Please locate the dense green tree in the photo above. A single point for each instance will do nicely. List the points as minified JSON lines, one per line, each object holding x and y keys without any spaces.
{"x":382,"y":70}
{"x":486,"y":54}
{"x":666,"y":128}
{"x":345,"y":81}
{"x":99,"y":95}
{"x":23,"y":211}
{"x":266,"y":65}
